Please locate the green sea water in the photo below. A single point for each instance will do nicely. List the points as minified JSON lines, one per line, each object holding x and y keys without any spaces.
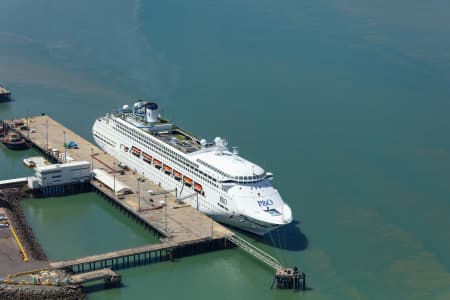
{"x":345,"y":101}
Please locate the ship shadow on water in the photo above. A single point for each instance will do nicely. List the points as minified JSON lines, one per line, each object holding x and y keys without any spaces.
{"x":288,"y":237}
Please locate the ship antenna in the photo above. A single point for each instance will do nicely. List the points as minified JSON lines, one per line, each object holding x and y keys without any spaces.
{"x":235,"y":150}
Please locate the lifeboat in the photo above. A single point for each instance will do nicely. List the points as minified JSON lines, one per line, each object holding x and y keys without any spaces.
{"x":177,"y":175}
{"x":187,"y":181}
{"x":198,"y":187}
{"x":146,"y":157}
{"x":167,"y":169}
{"x":136,"y":151}
{"x":157,"y":163}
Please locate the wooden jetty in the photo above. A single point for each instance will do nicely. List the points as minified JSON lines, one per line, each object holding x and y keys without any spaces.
{"x":182,"y":229}
{"x":132,"y":257}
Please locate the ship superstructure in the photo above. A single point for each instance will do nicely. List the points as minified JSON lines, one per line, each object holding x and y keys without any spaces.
{"x":207,"y":175}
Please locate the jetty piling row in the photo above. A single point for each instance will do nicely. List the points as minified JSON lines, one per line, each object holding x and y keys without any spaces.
{"x":181,"y":228}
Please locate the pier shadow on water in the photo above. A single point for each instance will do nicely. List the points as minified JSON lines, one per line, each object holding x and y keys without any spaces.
{"x":99,"y":286}
{"x":288,"y":237}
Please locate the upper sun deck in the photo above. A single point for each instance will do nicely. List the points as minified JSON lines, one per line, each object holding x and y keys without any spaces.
{"x":163,"y":130}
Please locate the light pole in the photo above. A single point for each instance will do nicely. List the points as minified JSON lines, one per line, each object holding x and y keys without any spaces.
{"x":165,"y":212}
{"x":139,"y":195}
{"x":46,"y":134}
{"x":92,"y":159}
{"x":28,"y":129}
{"x":114,"y":172}
{"x":65,"y":148}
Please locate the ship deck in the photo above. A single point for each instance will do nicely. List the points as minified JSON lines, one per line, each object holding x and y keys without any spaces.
{"x":175,"y":137}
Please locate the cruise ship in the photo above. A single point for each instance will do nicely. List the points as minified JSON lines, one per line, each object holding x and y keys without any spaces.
{"x":206,"y":175}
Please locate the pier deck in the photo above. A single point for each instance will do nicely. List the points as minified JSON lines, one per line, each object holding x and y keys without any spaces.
{"x":178,"y":223}
{"x":111,"y":255}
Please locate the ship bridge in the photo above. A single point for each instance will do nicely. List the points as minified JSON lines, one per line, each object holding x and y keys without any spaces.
{"x":229,"y":167}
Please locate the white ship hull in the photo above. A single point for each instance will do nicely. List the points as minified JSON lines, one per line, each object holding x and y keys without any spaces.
{"x":214,"y":200}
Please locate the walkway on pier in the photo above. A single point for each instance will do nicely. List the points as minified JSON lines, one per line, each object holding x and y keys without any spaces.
{"x":12,"y":183}
{"x":104,"y":257}
{"x":140,"y":255}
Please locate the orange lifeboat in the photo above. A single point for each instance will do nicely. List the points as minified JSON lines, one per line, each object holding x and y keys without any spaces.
{"x":157,"y":163}
{"x":167,"y":169}
{"x":177,"y":175}
{"x":136,"y":151}
{"x":198,"y":187}
{"x":146,"y":157}
{"x":187,"y":181}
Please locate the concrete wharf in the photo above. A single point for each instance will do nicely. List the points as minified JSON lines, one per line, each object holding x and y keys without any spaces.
{"x":182,"y":229}
{"x":178,"y":223}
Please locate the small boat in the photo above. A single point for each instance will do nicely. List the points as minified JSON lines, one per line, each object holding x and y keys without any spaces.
{"x":14,"y":141}
{"x":157,"y":163}
{"x":29,"y":163}
{"x":198,"y":187}
{"x":167,"y":169}
{"x":187,"y":181}
{"x":177,"y":175}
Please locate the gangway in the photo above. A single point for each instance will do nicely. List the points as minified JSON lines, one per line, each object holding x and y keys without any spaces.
{"x":186,"y":197}
{"x":261,"y":255}
{"x":285,"y":278}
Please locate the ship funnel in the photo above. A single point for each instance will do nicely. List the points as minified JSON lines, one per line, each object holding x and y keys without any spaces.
{"x":151,"y":112}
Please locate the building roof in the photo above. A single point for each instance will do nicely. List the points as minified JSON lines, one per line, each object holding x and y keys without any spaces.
{"x":61,"y":166}
{"x":108,"y":180}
